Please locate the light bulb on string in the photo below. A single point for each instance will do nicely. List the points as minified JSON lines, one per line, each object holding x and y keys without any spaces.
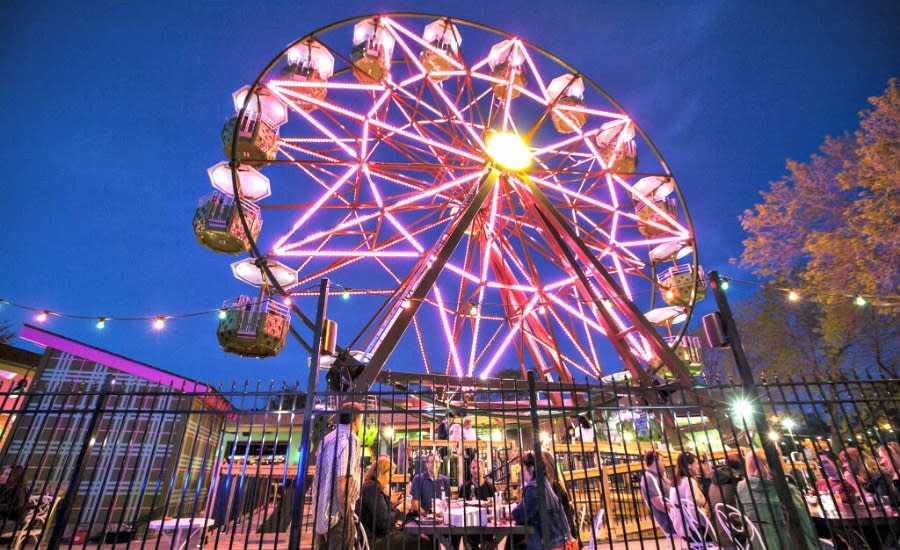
{"x":859,"y":301}
{"x":793,"y":296}
{"x":286,"y":300}
{"x":42,"y":316}
{"x":222,"y":314}
{"x":159,"y":323}
{"x":345,"y":294}
{"x":101,"y":323}
{"x":725,"y":284}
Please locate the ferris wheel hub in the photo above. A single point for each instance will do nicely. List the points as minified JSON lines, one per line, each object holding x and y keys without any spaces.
{"x":508,"y":150}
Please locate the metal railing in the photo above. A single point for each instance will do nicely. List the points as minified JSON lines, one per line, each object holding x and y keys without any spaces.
{"x":143,"y":466}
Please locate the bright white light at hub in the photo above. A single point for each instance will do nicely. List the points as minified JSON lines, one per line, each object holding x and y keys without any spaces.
{"x":508,"y":150}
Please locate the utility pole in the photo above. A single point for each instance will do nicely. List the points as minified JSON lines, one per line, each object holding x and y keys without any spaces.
{"x":758,"y":420}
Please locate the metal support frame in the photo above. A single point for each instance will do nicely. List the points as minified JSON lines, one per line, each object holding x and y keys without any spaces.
{"x":417,"y":294}
{"x":306,"y":434}
{"x":567,"y":242}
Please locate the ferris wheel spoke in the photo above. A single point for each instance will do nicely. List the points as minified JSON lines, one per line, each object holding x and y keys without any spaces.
{"x":435,"y":88}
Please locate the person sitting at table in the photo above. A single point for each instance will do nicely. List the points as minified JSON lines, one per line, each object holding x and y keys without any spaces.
{"x":832,"y":482}
{"x":478,"y":487}
{"x":528,"y":511}
{"x":723,"y":490}
{"x":686,"y":496}
{"x":855,"y":471}
{"x":655,"y":489}
{"x":760,"y":503}
{"x":889,"y":463}
{"x":427,"y":487}
{"x":559,"y":489}
{"x":13,"y":495}
{"x":380,"y":515}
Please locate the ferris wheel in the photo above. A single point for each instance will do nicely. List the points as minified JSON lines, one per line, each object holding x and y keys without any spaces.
{"x":485,"y":197}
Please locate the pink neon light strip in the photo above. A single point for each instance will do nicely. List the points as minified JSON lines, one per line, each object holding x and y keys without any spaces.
{"x":486,"y":59}
{"x":328,"y":85}
{"x":306,"y":215}
{"x":484,"y":270}
{"x":656,"y":209}
{"x":509,"y":337}
{"x":393,"y":24}
{"x":534,"y":70}
{"x":45,"y":339}
{"x":574,"y":194}
{"x":595,"y":112}
{"x":447,"y":332}
{"x":351,"y":253}
{"x":309,"y":118}
{"x":647,"y":242}
{"x":587,"y":332}
{"x":435,"y":144}
{"x":575,"y":343}
{"x":593,"y":324}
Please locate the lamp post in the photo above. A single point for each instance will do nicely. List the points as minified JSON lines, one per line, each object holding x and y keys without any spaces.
{"x":789,"y":424}
{"x":756,"y":419}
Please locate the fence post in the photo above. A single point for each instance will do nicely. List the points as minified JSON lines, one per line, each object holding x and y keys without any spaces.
{"x":795,"y":533}
{"x":538,"y":461}
{"x":306,"y":435}
{"x":65,"y":507}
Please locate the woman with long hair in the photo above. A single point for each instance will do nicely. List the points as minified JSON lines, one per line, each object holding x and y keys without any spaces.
{"x":686,"y":497}
{"x":379,"y":514}
{"x":527,"y":512}
{"x":760,"y":503}
{"x":559,"y":489}
{"x":687,"y":480}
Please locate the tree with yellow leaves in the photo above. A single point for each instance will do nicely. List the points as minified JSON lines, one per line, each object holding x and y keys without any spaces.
{"x":831,"y":226}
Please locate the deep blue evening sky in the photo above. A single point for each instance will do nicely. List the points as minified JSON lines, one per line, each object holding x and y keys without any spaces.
{"x":112,"y":113}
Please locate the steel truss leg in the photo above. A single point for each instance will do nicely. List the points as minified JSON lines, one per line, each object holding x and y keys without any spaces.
{"x":423,"y":286}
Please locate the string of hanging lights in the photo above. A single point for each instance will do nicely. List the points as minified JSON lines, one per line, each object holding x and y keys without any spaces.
{"x":158,"y":321}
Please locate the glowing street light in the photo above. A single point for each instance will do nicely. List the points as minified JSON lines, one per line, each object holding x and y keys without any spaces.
{"x":742,"y":409}
{"x":508,"y":150}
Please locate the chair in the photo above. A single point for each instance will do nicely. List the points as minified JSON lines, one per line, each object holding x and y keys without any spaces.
{"x":738,"y":527}
{"x":598,"y":525}
{"x":697,"y":526}
{"x":362,"y":539}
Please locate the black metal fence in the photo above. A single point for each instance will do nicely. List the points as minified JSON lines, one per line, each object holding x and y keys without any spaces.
{"x":154,"y":467}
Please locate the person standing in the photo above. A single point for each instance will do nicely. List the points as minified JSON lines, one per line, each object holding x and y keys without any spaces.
{"x":654,"y":486}
{"x":337,"y":484}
